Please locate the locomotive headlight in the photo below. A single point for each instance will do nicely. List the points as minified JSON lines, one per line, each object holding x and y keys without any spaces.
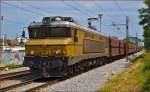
{"x":58,"y":51}
{"x":31,"y":52}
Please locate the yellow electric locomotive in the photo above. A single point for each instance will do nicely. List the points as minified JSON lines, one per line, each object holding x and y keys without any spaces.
{"x":58,"y":46}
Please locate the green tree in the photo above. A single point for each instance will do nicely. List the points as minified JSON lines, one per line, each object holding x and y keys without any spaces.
{"x":145,"y":22}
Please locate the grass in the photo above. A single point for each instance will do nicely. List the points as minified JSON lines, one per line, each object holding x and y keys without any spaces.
{"x":10,"y":66}
{"x":146,"y":87}
{"x":134,"y":79}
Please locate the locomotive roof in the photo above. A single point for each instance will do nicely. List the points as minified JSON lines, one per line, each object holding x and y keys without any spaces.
{"x":65,"y":24}
{"x":68,"y":24}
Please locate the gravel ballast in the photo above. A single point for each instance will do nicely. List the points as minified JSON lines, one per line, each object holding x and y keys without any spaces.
{"x":92,"y":80}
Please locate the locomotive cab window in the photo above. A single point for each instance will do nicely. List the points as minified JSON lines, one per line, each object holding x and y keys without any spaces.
{"x":49,"y":32}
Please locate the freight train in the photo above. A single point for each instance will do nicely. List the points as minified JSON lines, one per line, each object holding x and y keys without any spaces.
{"x":59,"y":46}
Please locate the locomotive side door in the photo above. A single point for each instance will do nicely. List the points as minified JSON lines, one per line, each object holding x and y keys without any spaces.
{"x":78,"y":42}
{"x":75,"y":41}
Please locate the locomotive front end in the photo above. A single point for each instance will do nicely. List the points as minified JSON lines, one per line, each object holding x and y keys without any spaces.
{"x":48,"y":49}
{"x":47,"y":59}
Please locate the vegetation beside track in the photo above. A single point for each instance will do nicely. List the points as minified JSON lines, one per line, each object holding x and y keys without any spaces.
{"x":134,"y":79}
{"x":10,"y":66}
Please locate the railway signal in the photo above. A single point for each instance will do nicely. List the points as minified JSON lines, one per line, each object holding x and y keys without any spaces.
{"x":90,"y":20}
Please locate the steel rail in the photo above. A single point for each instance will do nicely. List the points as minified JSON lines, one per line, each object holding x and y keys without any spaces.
{"x":14,"y":74}
{"x":50,"y":83}
{"x":42,"y":86}
{"x":18,"y":85}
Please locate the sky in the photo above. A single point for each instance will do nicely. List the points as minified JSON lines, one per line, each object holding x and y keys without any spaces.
{"x":19,"y":14}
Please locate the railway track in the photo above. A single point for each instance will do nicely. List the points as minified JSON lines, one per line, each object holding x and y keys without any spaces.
{"x":14,"y":74}
{"x":18,"y":85}
{"x":49,"y":83}
{"x":38,"y":87}
{"x":34,"y":89}
{"x":43,"y":85}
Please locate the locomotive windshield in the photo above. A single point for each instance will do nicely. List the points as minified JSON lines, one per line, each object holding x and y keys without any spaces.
{"x":49,"y":32}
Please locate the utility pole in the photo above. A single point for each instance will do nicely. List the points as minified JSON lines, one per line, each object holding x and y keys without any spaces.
{"x":127,"y":34}
{"x":1,"y":38}
{"x":100,"y":21}
{"x":1,"y":19}
{"x":136,"y":41}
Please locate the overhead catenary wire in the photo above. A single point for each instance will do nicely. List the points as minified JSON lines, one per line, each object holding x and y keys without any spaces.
{"x":79,"y":10}
{"x":27,"y":10}
{"x":118,"y":6}
{"x":37,"y":8}
{"x":75,"y":8}
{"x":14,"y":22}
{"x":88,"y":11}
{"x":102,"y":10}
{"x":10,"y":22}
{"x":116,"y":2}
{"x":99,"y":8}
{"x":108,"y":16}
